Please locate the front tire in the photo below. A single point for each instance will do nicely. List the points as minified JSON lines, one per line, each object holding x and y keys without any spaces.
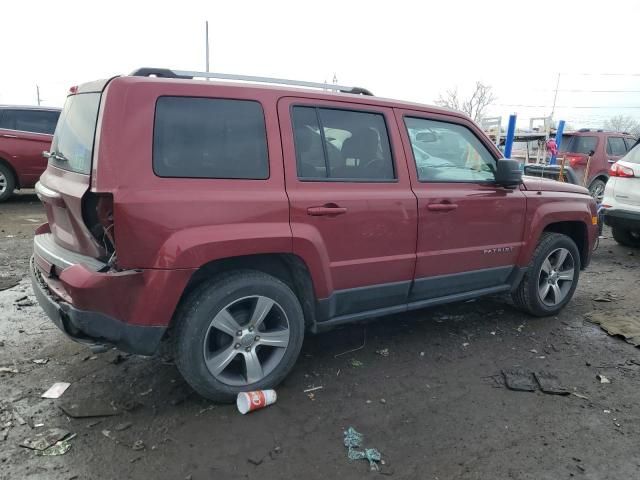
{"x":238,"y":332}
{"x":551,"y":278}
{"x":626,"y":237}
{"x":7,"y":182}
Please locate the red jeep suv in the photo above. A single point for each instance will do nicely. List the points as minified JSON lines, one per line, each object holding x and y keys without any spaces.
{"x":25,"y":132}
{"x":233,"y":217}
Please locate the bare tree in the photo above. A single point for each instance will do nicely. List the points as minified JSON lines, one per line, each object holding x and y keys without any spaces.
{"x":623,"y":123}
{"x":474,"y":106}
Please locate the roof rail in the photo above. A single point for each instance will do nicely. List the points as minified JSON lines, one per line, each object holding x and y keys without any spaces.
{"x":187,"y":74}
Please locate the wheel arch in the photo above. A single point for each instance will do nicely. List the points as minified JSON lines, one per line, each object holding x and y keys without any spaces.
{"x":578,"y":232}
{"x":16,"y":178}
{"x":286,"y":267}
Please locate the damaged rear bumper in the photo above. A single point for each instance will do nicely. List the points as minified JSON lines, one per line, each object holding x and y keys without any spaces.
{"x":92,"y":327}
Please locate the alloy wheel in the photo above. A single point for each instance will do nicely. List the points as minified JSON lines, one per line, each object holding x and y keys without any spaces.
{"x":246,"y":340}
{"x":3,"y":183}
{"x":556,"y":277}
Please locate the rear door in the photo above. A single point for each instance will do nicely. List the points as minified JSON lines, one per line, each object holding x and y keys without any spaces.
{"x":470,"y":231}
{"x":351,"y":202}
{"x":25,"y":134}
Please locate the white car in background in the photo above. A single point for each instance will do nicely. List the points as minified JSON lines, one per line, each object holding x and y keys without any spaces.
{"x":621,"y":202}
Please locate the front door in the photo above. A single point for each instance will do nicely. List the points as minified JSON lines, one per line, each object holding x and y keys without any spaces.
{"x":470,"y":230}
{"x":352,"y":208}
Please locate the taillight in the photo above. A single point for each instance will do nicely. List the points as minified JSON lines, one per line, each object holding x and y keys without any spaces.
{"x":574,"y":159}
{"x":618,"y":170}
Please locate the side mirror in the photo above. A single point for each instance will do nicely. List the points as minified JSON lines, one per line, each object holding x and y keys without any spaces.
{"x":508,"y":173}
{"x":591,"y":153}
{"x":426,"y":137}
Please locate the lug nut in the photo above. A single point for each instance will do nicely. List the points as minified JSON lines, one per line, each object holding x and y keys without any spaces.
{"x":236,"y":346}
{"x":257,"y":338}
{"x":239,"y":333}
{"x":248,"y":349}
{"x":251,"y":329}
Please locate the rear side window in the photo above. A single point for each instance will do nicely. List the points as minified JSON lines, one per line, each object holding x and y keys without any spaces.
{"x":341,"y":145}
{"x":36,"y":121}
{"x":616,"y":146}
{"x":209,"y":138}
{"x":578,"y":144}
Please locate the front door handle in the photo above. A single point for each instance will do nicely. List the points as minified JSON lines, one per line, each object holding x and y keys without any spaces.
{"x":7,"y":135}
{"x":326,"y":210}
{"x":442,"y":207}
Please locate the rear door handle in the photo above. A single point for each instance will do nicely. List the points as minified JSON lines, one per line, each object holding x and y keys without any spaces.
{"x":7,"y":135}
{"x":442,"y":207}
{"x":326,"y":210}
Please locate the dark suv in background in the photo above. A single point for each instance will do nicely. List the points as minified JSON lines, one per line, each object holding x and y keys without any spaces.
{"x":25,"y":132}
{"x":605,"y":149}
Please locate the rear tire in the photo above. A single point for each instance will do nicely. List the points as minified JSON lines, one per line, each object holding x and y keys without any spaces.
{"x":626,"y":237}
{"x":7,"y":182}
{"x":596,"y":189}
{"x":238,"y":332}
{"x":545,"y":288}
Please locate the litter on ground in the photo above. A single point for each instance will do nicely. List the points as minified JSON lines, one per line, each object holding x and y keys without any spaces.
{"x":56,"y":390}
{"x":353,"y":442}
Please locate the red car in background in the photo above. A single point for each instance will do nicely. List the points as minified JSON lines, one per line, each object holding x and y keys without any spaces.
{"x":25,"y":132}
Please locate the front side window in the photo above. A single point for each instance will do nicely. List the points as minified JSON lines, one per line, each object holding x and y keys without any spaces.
{"x":447,"y":152}
{"x":616,"y":146}
{"x":35,"y":121}
{"x":210,"y":138}
{"x":342,"y":145}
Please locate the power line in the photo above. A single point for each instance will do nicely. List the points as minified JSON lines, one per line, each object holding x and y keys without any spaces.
{"x":588,"y":91}
{"x":612,"y":107}
{"x":604,"y":74}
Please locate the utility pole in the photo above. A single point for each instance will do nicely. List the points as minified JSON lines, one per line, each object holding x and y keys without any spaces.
{"x":38,"y":94}
{"x":206,"y":34}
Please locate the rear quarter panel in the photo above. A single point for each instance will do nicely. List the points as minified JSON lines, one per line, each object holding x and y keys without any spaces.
{"x":184,"y":222}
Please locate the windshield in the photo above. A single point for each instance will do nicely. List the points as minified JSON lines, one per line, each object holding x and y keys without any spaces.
{"x":73,"y":138}
{"x":578,"y":144}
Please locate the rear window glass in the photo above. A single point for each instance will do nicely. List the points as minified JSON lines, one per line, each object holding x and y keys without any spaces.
{"x":209,"y":138}
{"x":630,"y":142}
{"x":633,"y":156}
{"x":578,"y":144}
{"x":36,"y":121}
{"x":73,"y":141}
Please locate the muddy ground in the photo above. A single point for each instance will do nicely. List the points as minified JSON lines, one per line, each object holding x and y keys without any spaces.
{"x":425,"y":390}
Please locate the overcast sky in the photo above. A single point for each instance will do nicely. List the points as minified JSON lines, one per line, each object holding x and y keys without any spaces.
{"x":411,"y":50}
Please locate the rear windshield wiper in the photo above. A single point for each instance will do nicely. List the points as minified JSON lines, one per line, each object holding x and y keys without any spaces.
{"x":55,"y":156}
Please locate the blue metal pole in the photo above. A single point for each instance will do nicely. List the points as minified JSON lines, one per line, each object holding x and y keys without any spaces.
{"x":559,"y":131}
{"x":511,"y":132}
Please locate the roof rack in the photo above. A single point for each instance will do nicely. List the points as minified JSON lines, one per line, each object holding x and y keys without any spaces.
{"x":187,"y":74}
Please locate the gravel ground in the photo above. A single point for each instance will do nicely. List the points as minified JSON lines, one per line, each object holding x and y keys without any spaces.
{"x":425,"y":389}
